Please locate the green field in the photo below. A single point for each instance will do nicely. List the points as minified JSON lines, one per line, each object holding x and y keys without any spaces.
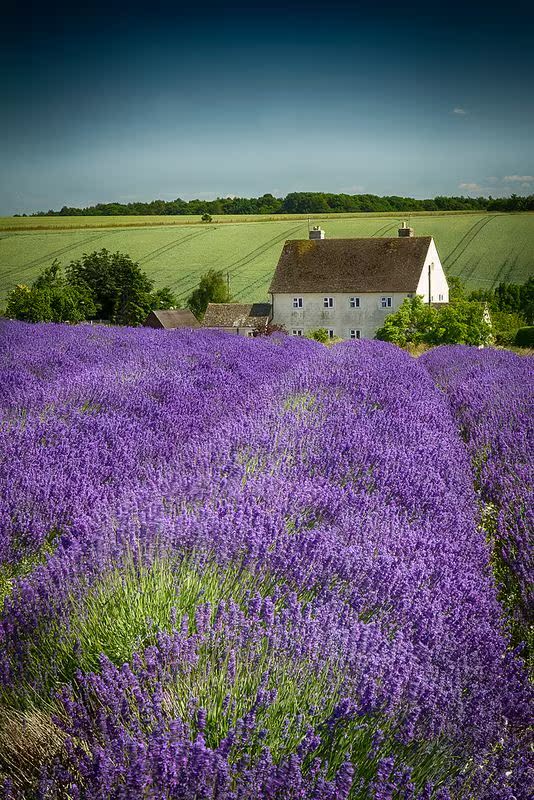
{"x":482,"y":249}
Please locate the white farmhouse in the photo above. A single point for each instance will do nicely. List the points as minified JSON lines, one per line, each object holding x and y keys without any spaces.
{"x":349,"y":286}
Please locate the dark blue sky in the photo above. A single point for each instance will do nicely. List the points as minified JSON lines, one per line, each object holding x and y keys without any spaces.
{"x":124,"y":102}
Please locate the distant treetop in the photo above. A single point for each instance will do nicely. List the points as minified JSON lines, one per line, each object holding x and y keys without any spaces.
{"x":297,"y":203}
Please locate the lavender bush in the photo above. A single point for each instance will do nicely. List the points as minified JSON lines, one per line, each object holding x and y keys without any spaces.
{"x":245,"y":569}
{"x":491,"y":394}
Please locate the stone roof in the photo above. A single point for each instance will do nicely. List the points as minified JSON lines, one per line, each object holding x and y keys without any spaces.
{"x":351,"y":265}
{"x":236,"y":315}
{"x":171,"y":318}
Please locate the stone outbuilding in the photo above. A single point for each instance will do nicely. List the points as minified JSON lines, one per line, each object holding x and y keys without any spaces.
{"x":171,"y":318}
{"x":242,"y":319}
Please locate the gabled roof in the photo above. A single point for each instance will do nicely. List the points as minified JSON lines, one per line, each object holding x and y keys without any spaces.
{"x":236,"y":315}
{"x":351,"y":265}
{"x":171,"y":318}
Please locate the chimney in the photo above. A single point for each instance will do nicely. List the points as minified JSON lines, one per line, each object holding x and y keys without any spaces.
{"x":405,"y":230}
{"x":316,"y":233}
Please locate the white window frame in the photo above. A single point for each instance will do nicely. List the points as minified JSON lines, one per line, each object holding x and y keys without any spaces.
{"x":386,"y":302}
{"x":331,"y":333}
{"x":354,"y":302}
{"x":298,"y":302}
{"x":297,"y":332}
{"x":440,"y":298}
{"x":328,"y":302}
{"x":355,"y":333}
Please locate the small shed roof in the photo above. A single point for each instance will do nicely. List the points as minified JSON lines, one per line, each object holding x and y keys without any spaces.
{"x":351,"y":265}
{"x":172,"y":318}
{"x":236,"y":315}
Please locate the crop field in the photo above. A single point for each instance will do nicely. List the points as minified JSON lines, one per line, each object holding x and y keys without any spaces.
{"x":482,"y":249}
{"x":261,"y":569}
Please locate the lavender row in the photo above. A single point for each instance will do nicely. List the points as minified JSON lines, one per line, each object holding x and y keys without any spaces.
{"x":326,"y":621}
{"x":491,"y":394}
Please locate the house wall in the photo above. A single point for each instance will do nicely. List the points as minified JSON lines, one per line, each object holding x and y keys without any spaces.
{"x":439,"y":288}
{"x":342,"y":318}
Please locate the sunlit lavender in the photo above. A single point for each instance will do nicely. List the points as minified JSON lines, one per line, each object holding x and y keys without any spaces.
{"x":238,"y":568}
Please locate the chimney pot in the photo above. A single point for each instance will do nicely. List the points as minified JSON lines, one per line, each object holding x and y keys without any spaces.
{"x":405,"y":231}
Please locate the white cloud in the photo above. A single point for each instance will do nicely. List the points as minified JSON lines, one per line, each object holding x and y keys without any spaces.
{"x":519,"y":178}
{"x":460,"y":111}
{"x":470,"y":187}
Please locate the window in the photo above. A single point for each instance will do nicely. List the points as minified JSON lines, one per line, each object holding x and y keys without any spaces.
{"x":296,"y":332}
{"x":250,"y":333}
{"x":328,"y":302}
{"x":298,"y":302}
{"x":355,"y":334}
{"x":331,"y":333}
{"x":440,"y":298}
{"x":354,"y":302}
{"x":386,"y":302}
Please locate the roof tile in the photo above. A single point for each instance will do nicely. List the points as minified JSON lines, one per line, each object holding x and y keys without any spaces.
{"x":351,"y":265}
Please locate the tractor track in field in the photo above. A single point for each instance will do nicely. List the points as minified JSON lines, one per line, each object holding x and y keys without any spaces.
{"x":54,"y":254}
{"x":466,"y":240}
{"x":236,"y":267}
{"x":383,"y":229}
{"x":262,"y":279}
{"x":506,"y":269}
{"x":166,"y":248}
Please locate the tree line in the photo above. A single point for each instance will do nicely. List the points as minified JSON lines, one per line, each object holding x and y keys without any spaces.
{"x":297,"y":203}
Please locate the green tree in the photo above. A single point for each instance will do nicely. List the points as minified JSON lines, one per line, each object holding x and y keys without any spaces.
{"x":212,"y":288}
{"x":318,"y":335}
{"x":121,"y":291}
{"x":457,"y":289}
{"x":207,"y":218}
{"x":28,"y":304}
{"x":527,"y":301}
{"x":413,"y":323}
{"x":505,"y":326}
{"x":164,"y":298}
{"x":465,"y":322}
{"x":50,"y":299}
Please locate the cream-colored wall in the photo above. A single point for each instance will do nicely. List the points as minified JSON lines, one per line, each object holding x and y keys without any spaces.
{"x":368,"y":318}
{"x":342,"y":318}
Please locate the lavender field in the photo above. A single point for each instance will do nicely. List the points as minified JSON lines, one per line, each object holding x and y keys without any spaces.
{"x":242,"y":569}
